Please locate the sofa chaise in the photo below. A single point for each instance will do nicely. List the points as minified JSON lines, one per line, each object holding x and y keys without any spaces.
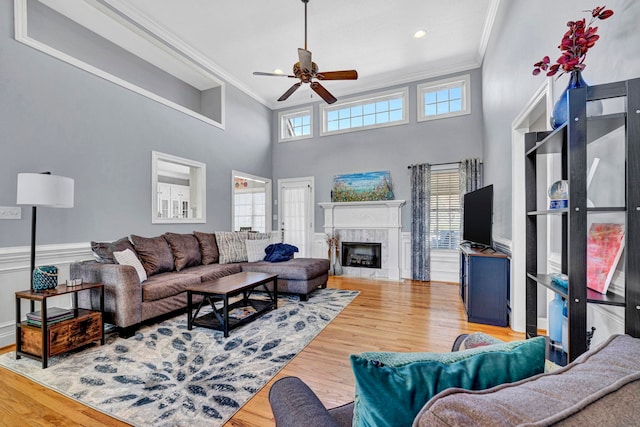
{"x":136,"y":293}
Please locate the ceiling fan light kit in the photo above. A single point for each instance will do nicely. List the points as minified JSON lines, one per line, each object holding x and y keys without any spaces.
{"x":307,"y":72}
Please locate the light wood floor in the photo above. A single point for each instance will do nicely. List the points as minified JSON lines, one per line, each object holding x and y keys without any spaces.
{"x":386,"y":316}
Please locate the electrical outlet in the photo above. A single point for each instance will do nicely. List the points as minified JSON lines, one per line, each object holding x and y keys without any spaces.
{"x":10,"y":212}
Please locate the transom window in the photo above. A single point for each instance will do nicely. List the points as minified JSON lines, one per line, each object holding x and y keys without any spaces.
{"x":444,"y":98}
{"x":296,"y":125}
{"x":384,"y":109}
{"x":445,"y":209}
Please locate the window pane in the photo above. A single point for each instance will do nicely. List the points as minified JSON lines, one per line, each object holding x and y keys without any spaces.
{"x":430,"y":97}
{"x":344,"y":113}
{"x":455,"y":105}
{"x":382,"y":106}
{"x":369,"y":108}
{"x":382,"y":117}
{"x":306,"y":120}
{"x":356,"y":122}
{"x":345,"y":123}
{"x":395,"y":115}
{"x":430,"y":110}
{"x":331,"y":126}
{"x":455,"y":93}
{"x":306,"y":130}
{"x":443,"y":107}
{"x":443,"y":95}
{"x":369,"y":119}
{"x":332,"y":115}
{"x":356,"y":111}
{"x":395,"y":104}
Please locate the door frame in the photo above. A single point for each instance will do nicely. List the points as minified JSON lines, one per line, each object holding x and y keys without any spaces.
{"x":309,"y":181}
{"x":541,"y":103}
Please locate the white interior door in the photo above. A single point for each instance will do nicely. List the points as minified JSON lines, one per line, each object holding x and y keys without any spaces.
{"x":295,"y":213}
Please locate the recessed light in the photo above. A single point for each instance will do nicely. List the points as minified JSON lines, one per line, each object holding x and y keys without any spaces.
{"x":278,"y":71}
{"x":419,"y":34}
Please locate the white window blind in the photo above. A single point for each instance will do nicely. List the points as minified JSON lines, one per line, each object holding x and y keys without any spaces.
{"x":445,"y":209}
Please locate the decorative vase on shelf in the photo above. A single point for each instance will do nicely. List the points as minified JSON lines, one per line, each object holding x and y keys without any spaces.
{"x":555,"y":319}
{"x":560,"y":112}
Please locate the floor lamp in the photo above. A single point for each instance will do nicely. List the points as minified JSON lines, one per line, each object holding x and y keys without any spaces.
{"x":46,"y":190}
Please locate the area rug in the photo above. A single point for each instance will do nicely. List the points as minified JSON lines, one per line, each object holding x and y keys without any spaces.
{"x":166,"y":375}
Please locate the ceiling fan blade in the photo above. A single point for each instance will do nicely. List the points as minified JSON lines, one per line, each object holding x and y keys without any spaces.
{"x":290,"y":91}
{"x":305,"y":59}
{"x":260,"y":73}
{"x":337,"y":75}
{"x":324,"y":93}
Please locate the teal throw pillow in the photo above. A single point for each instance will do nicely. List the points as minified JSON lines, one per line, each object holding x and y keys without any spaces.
{"x":391,"y":388}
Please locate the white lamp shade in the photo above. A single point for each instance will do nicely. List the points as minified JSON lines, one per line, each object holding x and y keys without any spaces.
{"x":39,"y":189}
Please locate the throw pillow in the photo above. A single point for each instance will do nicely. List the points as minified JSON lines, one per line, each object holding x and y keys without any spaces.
{"x":391,"y":388}
{"x":208,"y":247}
{"x":128,"y":257}
{"x":154,"y":253}
{"x":103,"y":251}
{"x":185,"y":249}
{"x":231,"y":246}
{"x":255,"y":249}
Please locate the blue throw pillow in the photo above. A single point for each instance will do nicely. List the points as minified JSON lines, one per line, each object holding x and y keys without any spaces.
{"x":391,"y":388}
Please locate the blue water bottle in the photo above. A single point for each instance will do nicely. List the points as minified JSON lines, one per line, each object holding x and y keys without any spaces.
{"x":555,"y":319}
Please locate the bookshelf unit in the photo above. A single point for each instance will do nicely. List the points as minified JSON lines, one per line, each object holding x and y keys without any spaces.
{"x":571,"y":141}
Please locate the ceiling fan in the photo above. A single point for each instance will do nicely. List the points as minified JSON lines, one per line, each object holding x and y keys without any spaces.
{"x":307,"y":71}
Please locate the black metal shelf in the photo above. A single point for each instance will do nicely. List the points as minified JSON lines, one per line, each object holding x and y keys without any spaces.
{"x":601,"y":209}
{"x":598,"y":127}
{"x":571,"y":142}
{"x":593,"y":297}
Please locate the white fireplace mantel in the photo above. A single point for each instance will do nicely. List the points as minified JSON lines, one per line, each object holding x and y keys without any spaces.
{"x":376,"y":215}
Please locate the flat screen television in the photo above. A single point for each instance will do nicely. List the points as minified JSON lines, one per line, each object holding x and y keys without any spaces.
{"x":478,"y":217}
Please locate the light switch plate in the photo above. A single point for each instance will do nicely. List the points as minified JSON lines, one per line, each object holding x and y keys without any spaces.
{"x":10,"y":212}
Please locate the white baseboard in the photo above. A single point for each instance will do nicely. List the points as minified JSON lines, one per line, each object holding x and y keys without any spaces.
{"x":15,"y":277}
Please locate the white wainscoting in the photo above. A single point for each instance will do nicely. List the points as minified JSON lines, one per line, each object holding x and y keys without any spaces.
{"x":14,"y":277}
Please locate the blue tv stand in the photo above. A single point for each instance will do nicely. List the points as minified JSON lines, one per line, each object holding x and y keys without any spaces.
{"x":484,"y":285}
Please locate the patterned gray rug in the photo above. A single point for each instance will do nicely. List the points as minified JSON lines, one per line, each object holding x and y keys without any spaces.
{"x":166,"y":375}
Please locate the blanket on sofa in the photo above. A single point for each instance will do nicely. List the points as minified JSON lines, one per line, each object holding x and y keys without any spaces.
{"x":279,"y":252}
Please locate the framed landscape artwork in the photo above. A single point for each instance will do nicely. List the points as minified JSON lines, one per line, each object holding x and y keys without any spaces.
{"x":364,"y":186}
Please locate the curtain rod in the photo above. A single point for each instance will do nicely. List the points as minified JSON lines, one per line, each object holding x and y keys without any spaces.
{"x":438,"y":164}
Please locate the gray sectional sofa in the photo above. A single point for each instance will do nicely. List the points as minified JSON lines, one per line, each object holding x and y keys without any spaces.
{"x":172,"y":262}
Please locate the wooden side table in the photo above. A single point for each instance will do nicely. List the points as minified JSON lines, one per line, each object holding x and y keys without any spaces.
{"x":40,"y":343}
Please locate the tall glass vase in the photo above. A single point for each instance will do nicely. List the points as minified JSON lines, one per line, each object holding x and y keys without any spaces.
{"x":560,"y":112}
{"x":337,"y":266}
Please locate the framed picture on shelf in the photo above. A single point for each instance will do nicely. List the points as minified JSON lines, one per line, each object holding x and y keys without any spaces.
{"x":605,"y":243}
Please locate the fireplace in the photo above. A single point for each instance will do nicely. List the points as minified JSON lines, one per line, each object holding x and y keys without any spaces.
{"x":361,"y":254}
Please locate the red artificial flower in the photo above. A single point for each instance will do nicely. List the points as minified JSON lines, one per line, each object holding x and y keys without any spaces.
{"x":575,"y":44}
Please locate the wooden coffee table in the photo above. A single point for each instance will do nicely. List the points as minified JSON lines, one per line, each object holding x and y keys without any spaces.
{"x":225,"y":288}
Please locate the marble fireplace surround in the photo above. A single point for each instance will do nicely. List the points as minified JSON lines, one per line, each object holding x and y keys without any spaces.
{"x":378,"y":222}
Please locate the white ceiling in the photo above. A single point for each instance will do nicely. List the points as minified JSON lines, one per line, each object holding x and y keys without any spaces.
{"x":233,"y":38}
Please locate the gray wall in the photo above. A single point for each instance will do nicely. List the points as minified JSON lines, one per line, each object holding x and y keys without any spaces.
{"x":523,"y":34}
{"x":391,"y":148}
{"x":55,"y":117}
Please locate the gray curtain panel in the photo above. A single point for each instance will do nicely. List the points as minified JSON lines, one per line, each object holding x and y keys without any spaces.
{"x":420,"y":206}
{"x":470,"y":180}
